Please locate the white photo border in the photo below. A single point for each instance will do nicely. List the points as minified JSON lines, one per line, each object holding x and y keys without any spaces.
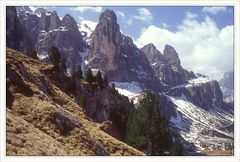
{"x":4,"y":3}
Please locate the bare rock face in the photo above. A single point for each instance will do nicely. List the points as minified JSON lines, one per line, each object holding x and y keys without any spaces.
{"x":29,"y":21}
{"x":62,"y":34}
{"x":45,"y":29}
{"x":65,"y":122}
{"x":227,"y":86}
{"x":69,"y":22}
{"x":49,"y":21}
{"x":167,"y":66}
{"x":105,"y":42}
{"x":12,"y":26}
{"x":228,"y":80}
{"x":17,"y":36}
{"x":171,"y":56}
{"x":40,"y":11}
{"x":107,"y":105}
{"x":116,"y":55}
{"x":205,"y":95}
{"x":153,"y":55}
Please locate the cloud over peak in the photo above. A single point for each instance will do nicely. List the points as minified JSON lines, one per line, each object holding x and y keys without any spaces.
{"x":202,"y":46}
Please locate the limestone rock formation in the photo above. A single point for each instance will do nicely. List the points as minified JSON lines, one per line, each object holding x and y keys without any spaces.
{"x":167,"y":66}
{"x":45,"y":29}
{"x":17,"y":36}
{"x":116,"y":55}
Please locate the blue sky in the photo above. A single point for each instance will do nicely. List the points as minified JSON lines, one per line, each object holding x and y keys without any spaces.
{"x":202,"y":35}
{"x":161,"y":16}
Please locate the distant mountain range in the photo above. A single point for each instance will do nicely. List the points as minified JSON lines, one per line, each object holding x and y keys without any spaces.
{"x":195,"y":105}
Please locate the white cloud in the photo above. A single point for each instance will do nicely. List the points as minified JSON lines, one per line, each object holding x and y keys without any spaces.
{"x":120,"y":14}
{"x":164,"y":25}
{"x":202,"y":46}
{"x":129,"y":22}
{"x":144,"y":15}
{"x":190,"y":15}
{"x":214,"y":10}
{"x":84,"y":9}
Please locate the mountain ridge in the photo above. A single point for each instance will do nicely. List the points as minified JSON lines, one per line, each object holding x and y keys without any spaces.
{"x":131,"y":72}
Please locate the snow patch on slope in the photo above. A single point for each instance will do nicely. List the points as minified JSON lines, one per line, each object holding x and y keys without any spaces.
{"x":200,"y":127}
{"x":132,"y":90}
{"x":86,"y":27}
{"x":127,"y":89}
{"x":194,"y":82}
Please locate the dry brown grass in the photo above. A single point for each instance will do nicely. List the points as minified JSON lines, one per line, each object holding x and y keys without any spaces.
{"x":217,"y":152}
{"x":32,"y":116}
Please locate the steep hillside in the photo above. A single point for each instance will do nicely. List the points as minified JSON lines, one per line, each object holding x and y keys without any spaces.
{"x":43,"y":120}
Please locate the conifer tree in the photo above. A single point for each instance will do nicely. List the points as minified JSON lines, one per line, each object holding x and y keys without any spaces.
{"x":63,"y":65}
{"x":146,"y":128}
{"x":99,"y":79}
{"x":89,"y":76}
{"x":54,"y":56}
{"x":105,"y":80}
{"x":79,"y":72}
{"x":113,"y":86}
{"x":73,"y":79}
{"x":34,"y":55}
{"x":177,"y":149}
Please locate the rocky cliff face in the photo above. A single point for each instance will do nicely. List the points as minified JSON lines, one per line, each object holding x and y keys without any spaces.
{"x":167,"y":66}
{"x":116,"y":55}
{"x":17,"y":36}
{"x":201,"y":92}
{"x":39,"y":99}
{"x":227,"y":86}
{"x":45,"y":30}
{"x":62,"y":34}
{"x":30,"y":21}
{"x":228,"y":80}
{"x":49,"y":21}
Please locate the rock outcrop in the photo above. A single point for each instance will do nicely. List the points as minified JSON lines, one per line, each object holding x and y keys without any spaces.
{"x":62,"y":34}
{"x":206,"y":95}
{"x":116,"y":55}
{"x":42,"y":30}
{"x":227,"y":86}
{"x":228,"y":80}
{"x":167,"y":66}
{"x":17,"y":37}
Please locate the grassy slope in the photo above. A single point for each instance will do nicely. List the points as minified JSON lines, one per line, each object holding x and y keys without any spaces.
{"x":30,"y":130}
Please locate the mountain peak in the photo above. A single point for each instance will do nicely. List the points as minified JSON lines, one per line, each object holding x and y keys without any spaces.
{"x":153,"y":54}
{"x":69,"y":22}
{"x":67,"y":16}
{"x":24,"y":9}
{"x":151,"y":47}
{"x":171,"y":55}
{"x":40,"y":11}
{"x":108,"y":15}
{"x":228,"y":80}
